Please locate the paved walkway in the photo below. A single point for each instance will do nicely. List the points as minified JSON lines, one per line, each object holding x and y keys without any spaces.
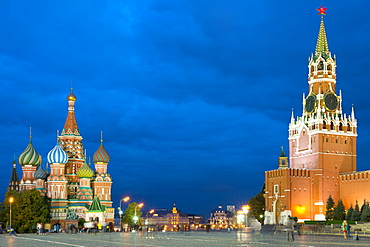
{"x":173,"y":239}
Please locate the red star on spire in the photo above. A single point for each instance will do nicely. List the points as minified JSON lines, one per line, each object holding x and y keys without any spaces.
{"x":322,"y":10}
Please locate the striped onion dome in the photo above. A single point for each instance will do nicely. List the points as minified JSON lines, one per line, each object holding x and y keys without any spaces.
{"x":40,"y":173}
{"x":30,"y":156}
{"x":101,"y":155}
{"x":85,"y":171}
{"x":57,"y":155}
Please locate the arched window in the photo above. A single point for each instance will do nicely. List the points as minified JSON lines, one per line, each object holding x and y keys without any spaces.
{"x":348,"y":127}
{"x":340,"y":127}
{"x":324,"y":125}
{"x":320,"y":66}
{"x":329,"y":67}
{"x":332,"y":126}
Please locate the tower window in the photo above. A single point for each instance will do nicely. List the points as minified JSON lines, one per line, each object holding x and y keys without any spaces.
{"x":332,"y":126}
{"x":340,"y":126}
{"x":324,"y":125}
{"x":320,"y":66}
{"x":348,"y":127}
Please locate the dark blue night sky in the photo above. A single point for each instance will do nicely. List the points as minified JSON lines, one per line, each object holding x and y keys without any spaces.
{"x":194,"y":97}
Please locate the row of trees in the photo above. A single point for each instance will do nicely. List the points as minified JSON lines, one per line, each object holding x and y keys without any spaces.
{"x":28,"y":209}
{"x":338,"y":212}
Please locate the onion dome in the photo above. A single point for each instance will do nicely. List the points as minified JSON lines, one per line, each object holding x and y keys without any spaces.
{"x":71,"y":96}
{"x":101,"y":155}
{"x":85,"y":171}
{"x":57,"y":155}
{"x":40,"y":173}
{"x":30,"y":156}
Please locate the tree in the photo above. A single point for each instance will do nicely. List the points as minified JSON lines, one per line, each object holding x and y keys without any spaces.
{"x":339,"y":211}
{"x":330,"y":205}
{"x":257,"y":206}
{"x":349,"y":213}
{"x":133,"y":209}
{"x":356,"y":215}
{"x":365,"y":211}
{"x":28,"y":209}
{"x":363,"y":206}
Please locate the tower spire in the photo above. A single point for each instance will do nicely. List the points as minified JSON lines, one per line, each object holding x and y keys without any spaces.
{"x":322,"y":47}
{"x":70,"y":126}
{"x":14,"y":180}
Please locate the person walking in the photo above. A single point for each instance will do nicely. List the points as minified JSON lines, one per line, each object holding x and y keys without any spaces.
{"x":38,"y":226}
{"x":290,"y":228}
{"x":344,"y":229}
{"x":100,"y":227}
{"x":348,"y":230}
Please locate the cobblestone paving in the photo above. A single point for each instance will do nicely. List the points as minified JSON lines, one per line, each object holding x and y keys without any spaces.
{"x":174,"y":239}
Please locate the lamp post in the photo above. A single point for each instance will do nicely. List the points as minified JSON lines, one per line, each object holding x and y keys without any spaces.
{"x":246,"y":210}
{"x":126,"y":199}
{"x":11,"y":200}
{"x":135,"y":218}
{"x":147,"y":217}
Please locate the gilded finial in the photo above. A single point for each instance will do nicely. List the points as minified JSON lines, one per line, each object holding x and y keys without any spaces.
{"x":71,"y":96}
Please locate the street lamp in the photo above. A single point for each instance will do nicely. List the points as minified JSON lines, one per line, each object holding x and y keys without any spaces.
{"x":245,"y":209}
{"x":135,"y":218}
{"x":126,"y":199}
{"x":147,"y":217}
{"x":11,"y":200}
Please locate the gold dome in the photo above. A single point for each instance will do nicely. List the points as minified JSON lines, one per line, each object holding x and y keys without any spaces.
{"x":71,"y":96}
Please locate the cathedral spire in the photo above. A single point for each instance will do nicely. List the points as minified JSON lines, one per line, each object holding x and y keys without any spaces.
{"x":14,"y":180}
{"x":70,"y":126}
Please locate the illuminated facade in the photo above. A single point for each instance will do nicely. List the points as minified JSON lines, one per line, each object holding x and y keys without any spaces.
{"x":322,"y":150}
{"x":76,"y":191}
{"x":167,"y":220}
{"x":223,"y":218}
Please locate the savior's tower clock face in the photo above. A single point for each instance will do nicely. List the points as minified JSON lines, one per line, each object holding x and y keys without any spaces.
{"x":310,"y":103}
{"x":331,"y":101}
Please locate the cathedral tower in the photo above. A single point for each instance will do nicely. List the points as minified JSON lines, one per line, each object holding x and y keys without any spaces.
{"x":102,"y":183}
{"x":29,"y":160}
{"x":14,"y":180}
{"x":71,"y":142}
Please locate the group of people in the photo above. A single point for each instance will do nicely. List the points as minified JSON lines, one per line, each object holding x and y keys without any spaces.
{"x":346,"y":228}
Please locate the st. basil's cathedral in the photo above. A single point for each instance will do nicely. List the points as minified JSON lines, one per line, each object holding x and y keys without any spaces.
{"x":76,"y":191}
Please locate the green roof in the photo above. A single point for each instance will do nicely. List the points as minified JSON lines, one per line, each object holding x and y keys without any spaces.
{"x":96,"y":206}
